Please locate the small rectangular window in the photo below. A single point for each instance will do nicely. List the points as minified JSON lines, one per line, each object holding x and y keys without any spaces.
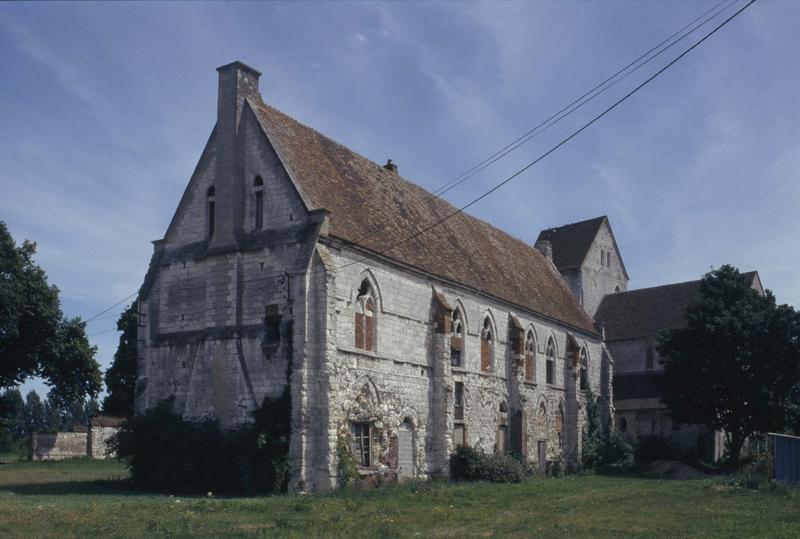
{"x":259,"y":210}
{"x":458,"y":401}
{"x":361,"y":443}
{"x":210,"y":218}
{"x":648,"y":361}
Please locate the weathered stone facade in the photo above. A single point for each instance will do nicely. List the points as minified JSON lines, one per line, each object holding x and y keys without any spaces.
{"x":252,"y":288}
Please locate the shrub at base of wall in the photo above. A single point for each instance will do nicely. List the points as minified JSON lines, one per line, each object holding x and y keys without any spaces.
{"x":165,"y":452}
{"x":471,"y":464}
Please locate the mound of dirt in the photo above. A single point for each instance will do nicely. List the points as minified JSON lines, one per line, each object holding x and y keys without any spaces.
{"x":672,"y":469}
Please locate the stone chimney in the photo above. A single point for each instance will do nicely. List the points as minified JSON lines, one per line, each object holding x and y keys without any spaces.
{"x":237,"y":82}
{"x":546,"y":248}
{"x":391,"y":167}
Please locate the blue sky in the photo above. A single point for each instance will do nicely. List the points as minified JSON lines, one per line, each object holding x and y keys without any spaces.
{"x":104,"y":109}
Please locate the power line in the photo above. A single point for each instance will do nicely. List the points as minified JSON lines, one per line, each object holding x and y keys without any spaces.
{"x":545,"y":154}
{"x":101,"y":332}
{"x":109,"y":308}
{"x":560,"y":144}
{"x":570,"y":107}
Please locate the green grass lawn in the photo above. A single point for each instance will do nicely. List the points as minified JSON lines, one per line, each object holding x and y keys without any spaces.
{"x":91,"y":498}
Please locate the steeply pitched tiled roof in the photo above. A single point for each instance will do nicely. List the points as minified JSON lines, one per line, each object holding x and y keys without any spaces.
{"x":362,"y":195}
{"x":646,"y":311}
{"x":572,"y":242}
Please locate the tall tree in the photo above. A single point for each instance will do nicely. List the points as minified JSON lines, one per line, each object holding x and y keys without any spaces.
{"x":121,"y":375}
{"x":12,"y":418}
{"x":35,"y":338}
{"x":35,"y":413}
{"x":735,"y":362}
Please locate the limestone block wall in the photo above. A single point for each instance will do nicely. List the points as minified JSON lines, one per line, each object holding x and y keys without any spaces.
{"x":599,"y":279}
{"x":203,"y":313}
{"x":409,"y":379}
{"x":66,"y":445}
{"x":630,"y":355}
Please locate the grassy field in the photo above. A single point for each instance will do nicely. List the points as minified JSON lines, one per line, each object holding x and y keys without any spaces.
{"x":82,"y":498}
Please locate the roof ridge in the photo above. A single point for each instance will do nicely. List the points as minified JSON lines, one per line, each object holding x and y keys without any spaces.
{"x":599,"y":218}
{"x":398,"y":176}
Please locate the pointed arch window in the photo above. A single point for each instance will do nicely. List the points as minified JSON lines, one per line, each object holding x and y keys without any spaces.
{"x":551,"y":362}
{"x":487,"y":345}
{"x":584,"y":379}
{"x":560,"y":427}
{"x":365,"y":318}
{"x":210,"y":210}
{"x":530,"y":357}
{"x":457,"y":340}
{"x":258,"y":202}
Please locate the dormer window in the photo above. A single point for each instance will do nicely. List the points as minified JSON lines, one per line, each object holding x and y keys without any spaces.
{"x":210,"y":210}
{"x":258,"y":202}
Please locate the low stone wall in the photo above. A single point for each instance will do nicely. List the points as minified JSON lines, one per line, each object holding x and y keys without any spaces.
{"x":66,"y":445}
{"x":59,"y":445}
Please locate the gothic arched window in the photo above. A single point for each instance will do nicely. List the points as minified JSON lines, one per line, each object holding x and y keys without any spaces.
{"x":560,"y":427}
{"x":365,"y":330}
{"x":210,"y":210}
{"x":457,"y":340}
{"x":551,"y":362}
{"x":487,"y":345}
{"x":530,"y":357}
{"x":584,"y":369}
{"x":258,"y":202}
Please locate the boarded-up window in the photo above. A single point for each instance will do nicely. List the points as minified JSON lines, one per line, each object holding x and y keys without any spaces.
{"x":458,"y":401}
{"x":530,"y":358}
{"x":486,"y":346}
{"x":365,"y":326}
{"x":551,"y":362}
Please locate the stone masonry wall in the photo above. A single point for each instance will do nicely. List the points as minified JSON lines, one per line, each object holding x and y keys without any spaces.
{"x":399,"y":382}
{"x":204,"y":315}
{"x":599,"y":280}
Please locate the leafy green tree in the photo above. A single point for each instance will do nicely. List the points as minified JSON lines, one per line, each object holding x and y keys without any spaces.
{"x":120,"y":377}
{"x":35,"y":413}
{"x":735,"y":362}
{"x":12,"y":418}
{"x":35,"y":338}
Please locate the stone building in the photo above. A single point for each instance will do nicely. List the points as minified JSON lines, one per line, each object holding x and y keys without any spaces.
{"x":288,"y":262}
{"x":631,"y":321}
{"x":587,"y":256}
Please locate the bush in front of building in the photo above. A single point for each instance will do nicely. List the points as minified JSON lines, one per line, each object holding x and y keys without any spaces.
{"x":470,"y":464}
{"x":653,"y":447}
{"x":603,"y":449}
{"x":165,"y":452}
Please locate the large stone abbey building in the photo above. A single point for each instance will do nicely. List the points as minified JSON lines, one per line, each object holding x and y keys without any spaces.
{"x":287,"y":263}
